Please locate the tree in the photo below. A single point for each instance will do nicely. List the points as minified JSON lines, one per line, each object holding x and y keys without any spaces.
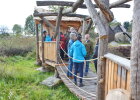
{"x":126,"y":25}
{"x":29,"y":27}
{"x":17,"y":29}
{"x":3,"y":29}
{"x":135,"y":53}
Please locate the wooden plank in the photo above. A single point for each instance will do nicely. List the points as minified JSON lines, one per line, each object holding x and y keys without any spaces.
{"x":128,"y":81}
{"x":109,"y":76}
{"x":119,"y":60}
{"x":112,"y":74}
{"x":115,"y":76}
{"x":123,"y":78}
{"x":106,"y":76}
{"x":119,"y":77}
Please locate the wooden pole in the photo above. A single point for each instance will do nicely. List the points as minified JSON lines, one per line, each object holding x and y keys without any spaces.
{"x":102,"y":27}
{"x":42,"y":43}
{"x":37,"y":46}
{"x":57,"y":34}
{"x":89,"y":27}
{"x":83,"y":29}
{"x":135,"y":53}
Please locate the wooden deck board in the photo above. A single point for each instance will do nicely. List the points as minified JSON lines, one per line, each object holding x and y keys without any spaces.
{"x":89,"y":85}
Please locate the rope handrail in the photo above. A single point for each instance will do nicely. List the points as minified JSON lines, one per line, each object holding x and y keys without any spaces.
{"x":76,"y":85}
{"x":76,"y":75}
{"x":77,"y":59}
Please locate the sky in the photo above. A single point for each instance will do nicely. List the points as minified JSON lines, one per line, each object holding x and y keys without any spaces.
{"x":16,"y":11}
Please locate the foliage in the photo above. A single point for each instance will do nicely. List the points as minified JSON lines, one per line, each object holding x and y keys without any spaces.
{"x":20,"y":81}
{"x":3,"y":29}
{"x":16,"y":45}
{"x":126,"y":25}
{"x":29,"y":28}
{"x":17,"y":29}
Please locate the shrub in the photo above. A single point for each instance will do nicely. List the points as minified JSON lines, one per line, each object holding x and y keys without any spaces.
{"x":16,"y":45}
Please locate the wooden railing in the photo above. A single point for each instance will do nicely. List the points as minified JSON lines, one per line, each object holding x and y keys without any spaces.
{"x":117,"y":73}
{"x":49,"y":51}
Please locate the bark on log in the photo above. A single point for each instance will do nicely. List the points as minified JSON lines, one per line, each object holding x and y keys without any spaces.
{"x":58,"y":21}
{"x":48,"y":23}
{"x":37,"y":44}
{"x":57,"y":33}
{"x":66,"y":3}
{"x":89,"y":26}
{"x":84,"y":29}
{"x":135,"y":53}
{"x":74,"y":7}
{"x":42,"y":43}
{"x":105,"y":10}
{"x":102,"y":28}
{"x":55,"y":14}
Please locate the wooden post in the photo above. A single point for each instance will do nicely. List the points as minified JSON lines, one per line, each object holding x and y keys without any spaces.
{"x":102,"y":28}
{"x":42,"y":44}
{"x":84,"y":29}
{"x":57,"y":33}
{"x":135,"y":53}
{"x":89,"y":27}
{"x":37,"y":46}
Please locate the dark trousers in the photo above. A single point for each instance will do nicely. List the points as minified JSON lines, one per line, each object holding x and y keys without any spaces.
{"x":70,"y":66}
{"x":87,"y":64}
{"x":78,"y":67}
{"x":95,"y":62}
{"x":62,"y":53}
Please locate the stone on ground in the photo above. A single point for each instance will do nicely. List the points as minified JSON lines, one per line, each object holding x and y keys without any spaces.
{"x":51,"y":81}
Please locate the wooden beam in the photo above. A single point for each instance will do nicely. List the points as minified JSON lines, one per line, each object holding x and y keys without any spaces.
{"x":55,"y":14}
{"x":58,"y":21}
{"x":48,"y":23}
{"x":89,"y":27}
{"x":102,"y":28}
{"x":105,"y":10}
{"x":83,"y":29}
{"x":135,"y":53}
{"x":66,"y":3}
{"x":42,"y":43}
{"x":117,"y":3}
{"x":74,"y":7}
{"x":37,"y":44}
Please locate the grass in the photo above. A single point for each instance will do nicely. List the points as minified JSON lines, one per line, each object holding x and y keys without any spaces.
{"x":20,"y":81}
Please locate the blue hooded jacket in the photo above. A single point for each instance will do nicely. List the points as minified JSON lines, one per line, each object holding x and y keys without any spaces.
{"x":69,"y":46}
{"x":78,"y":51}
{"x":48,"y":38}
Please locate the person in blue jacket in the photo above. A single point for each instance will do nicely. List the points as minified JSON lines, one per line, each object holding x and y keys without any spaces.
{"x":47,"y":37}
{"x":78,"y":52}
{"x":70,"y":66}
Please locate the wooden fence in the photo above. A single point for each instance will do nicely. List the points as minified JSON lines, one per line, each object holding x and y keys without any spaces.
{"x":49,"y":51}
{"x":117,"y":73}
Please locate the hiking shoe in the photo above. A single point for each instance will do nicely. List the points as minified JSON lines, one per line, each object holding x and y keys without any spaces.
{"x":81,"y":85}
{"x":75,"y":83}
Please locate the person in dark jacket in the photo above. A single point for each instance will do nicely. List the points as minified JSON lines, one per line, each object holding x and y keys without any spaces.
{"x":78,"y":52}
{"x":89,"y":48}
{"x":62,"y":44}
{"x":95,"y":54}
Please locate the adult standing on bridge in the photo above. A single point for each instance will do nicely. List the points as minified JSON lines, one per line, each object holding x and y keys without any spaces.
{"x":89,"y":48}
{"x":78,"y":52}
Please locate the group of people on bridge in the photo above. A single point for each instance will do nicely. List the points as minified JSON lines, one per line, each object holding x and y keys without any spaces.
{"x":78,"y":51}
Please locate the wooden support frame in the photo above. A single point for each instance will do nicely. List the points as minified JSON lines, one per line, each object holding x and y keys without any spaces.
{"x":66,"y":3}
{"x":37,"y":45}
{"x":42,"y":44}
{"x":83,"y":29}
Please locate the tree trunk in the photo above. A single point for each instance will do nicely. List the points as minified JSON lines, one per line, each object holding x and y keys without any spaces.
{"x":135,"y":53}
{"x":84,"y":29}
